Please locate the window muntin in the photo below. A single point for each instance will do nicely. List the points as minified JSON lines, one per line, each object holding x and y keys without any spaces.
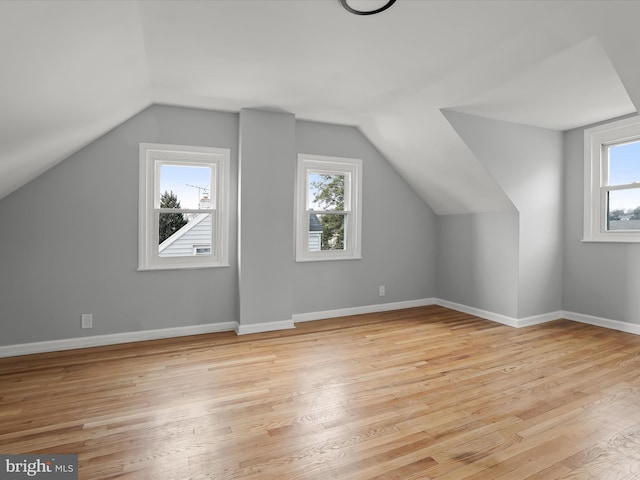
{"x":612,"y":173}
{"x":183,"y":218}
{"x":328,"y":213}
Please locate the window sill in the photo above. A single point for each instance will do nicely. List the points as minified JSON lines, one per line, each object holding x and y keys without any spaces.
{"x":611,"y":240}
{"x":326,"y":258}
{"x":180,"y":267}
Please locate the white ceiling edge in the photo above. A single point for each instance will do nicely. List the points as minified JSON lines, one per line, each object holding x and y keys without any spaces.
{"x":576,"y":87}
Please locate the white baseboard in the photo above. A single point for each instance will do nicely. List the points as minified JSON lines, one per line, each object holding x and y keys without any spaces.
{"x":340,"y":312}
{"x":543,"y":318}
{"x":113,"y":339}
{"x":538,"y":319}
{"x":603,"y":322}
{"x":494,"y":317}
{"x":127,"y":337}
{"x":345,"y":312}
{"x":264,"y":327}
{"x":504,"y":319}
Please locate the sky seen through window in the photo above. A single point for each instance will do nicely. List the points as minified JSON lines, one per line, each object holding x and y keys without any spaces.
{"x":180,"y":178}
{"x":624,"y":169}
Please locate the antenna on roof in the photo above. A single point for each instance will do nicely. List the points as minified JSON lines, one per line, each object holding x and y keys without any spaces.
{"x":201,"y":191}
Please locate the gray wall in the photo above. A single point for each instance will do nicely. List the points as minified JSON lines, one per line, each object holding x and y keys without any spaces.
{"x":398,"y":233}
{"x":527,"y":162}
{"x":267,"y":176}
{"x":600,"y":279}
{"x":68,"y":239}
{"x":478,"y":261}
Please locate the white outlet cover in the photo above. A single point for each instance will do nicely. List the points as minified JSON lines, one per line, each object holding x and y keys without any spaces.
{"x":87,"y":320}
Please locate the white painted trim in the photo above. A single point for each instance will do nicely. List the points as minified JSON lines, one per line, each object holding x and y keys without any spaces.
{"x":127,"y":337}
{"x":596,"y":139}
{"x":543,"y":318}
{"x":494,"y":317}
{"x":603,"y":322}
{"x":353,"y":206}
{"x":504,"y":319}
{"x":344,"y":312}
{"x":113,"y":339}
{"x":264,"y":327}
{"x":151,"y":156}
{"x":538,"y":319}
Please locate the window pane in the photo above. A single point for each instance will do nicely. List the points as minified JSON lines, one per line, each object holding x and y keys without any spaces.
{"x":624,"y":163}
{"x":325,"y":192}
{"x":331,"y":230}
{"x":185,"y":186}
{"x":185,"y":235}
{"x":623,"y":209}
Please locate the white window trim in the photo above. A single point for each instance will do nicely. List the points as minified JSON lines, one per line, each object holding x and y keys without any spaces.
{"x":153,"y":155}
{"x":596,"y":141}
{"x":353,"y":200}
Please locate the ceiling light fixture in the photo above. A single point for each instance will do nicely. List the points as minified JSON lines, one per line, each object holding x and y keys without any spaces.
{"x":347,"y":7}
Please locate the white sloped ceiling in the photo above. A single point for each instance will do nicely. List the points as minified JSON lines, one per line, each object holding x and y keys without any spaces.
{"x":72,"y":70}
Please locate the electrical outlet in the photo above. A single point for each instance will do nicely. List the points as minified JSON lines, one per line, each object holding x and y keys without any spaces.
{"x":381,"y":290}
{"x":87,"y":320}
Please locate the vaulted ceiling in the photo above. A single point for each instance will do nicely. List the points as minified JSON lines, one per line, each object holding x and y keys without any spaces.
{"x":73,"y":70}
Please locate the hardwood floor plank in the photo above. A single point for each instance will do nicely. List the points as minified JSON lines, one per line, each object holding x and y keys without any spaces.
{"x":422,"y":393}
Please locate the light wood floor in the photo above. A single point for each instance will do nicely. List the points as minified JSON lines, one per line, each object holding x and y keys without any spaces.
{"x":424,"y":393}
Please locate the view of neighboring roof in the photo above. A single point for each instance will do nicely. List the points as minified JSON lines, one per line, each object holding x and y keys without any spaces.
{"x":314,"y":223}
{"x":184,"y":232}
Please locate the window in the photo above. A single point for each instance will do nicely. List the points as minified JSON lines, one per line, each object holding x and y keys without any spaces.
{"x":183,"y":221}
{"x":328,"y":213}
{"x":612,"y":182}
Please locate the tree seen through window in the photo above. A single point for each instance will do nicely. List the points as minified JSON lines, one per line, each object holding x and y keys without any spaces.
{"x":328,"y":196}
